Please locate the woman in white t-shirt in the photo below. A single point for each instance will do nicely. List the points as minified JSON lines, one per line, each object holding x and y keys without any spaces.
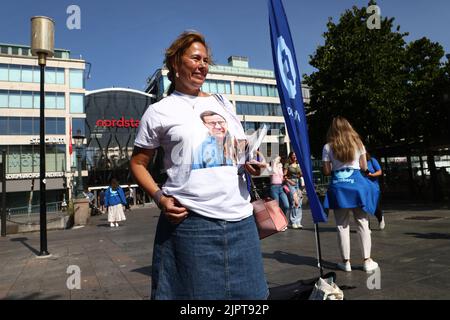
{"x":206,"y":243}
{"x":343,"y":158}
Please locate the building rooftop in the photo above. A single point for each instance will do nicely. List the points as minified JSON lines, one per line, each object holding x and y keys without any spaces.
{"x":22,"y":50}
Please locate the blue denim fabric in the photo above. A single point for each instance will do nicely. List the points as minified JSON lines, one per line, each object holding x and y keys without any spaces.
{"x":207,"y":259}
{"x":296,"y":214}
{"x":277,"y":193}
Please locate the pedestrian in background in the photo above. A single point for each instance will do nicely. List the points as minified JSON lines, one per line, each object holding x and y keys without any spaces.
{"x":114,"y":202}
{"x":373,"y":173}
{"x":101,"y":200}
{"x":277,"y":183}
{"x":293,"y":173}
{"x":206,"y":244}
{"x":343,"y":157}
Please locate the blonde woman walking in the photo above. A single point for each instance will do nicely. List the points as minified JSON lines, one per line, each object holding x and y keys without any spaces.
{"x":343,"y":157}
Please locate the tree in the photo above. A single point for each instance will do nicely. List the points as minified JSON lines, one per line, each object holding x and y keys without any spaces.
{"x":425,"y":92}
{"x":360,"y":75}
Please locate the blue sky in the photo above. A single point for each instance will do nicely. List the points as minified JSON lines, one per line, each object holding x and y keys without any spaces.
{"x":125,"y":40}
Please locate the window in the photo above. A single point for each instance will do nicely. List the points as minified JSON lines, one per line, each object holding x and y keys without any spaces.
{"x":14,"y":126}
{"x":36,"y":126}
{"x":60,"y":101}
{"x":27,"y":74}
{"x":61,"y":125}
{"x":50,"y":158}
{"x":14,"y":99}
{"x":60,"y":158}
{"x":3,"y":72}
{"x":4,"y":99}
{"x":50,"y":126}
{"x":60,"y":76}
{"x":258,"y":90}
{"x":13,"y":159}
{"x":50,"y":100}
{"x":250,"y":90}
{"x":26,"y":159}
{"x":27,"y":99}
{"x":3,"y":126}
{"x":26,"y":126}
{"x":36,"y":75}
{"x":14,"y":73}
{"x":76,"y":103}
{"x":50,"y":75}
{"x":15,"y":50}
{"x":76,"y":79}
{"x":78,"y":124}
{"x":4,"y":49}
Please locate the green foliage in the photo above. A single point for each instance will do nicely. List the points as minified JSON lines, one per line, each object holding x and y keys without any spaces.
{"x":385,"y":88}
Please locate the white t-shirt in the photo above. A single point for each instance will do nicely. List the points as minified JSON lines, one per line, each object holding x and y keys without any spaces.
{"x":202,"y":141}
{"x":327,"y":155}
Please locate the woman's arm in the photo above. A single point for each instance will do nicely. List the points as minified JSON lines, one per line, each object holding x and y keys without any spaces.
{"x":363,"y":162}
{"x":375,"y":174}
{"x":138,"y":165}
{"x":326,"y":168}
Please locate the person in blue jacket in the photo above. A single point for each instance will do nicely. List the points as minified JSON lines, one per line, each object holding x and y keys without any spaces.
{"x":114,"y":202}
{"x":373,"y":173}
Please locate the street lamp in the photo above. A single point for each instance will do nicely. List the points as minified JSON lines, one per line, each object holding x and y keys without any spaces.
{"x":79,"y":139}
{"x":42,"y":46}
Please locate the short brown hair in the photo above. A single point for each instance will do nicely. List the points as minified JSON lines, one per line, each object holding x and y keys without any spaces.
{"x":178,"y":48}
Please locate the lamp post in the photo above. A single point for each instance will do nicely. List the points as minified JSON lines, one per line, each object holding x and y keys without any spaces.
{"x":42,"y":46}
{"x":79,"y":139}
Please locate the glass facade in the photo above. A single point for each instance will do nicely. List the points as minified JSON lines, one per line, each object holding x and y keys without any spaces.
{"x":273,"y":128}
{"x":76,"y":79}
{"x":26,"y":158}
{"x":258,"y":109}
{"x":217,"y":86}
{"x":22,"y":126}
{"x":76,"y":103}
{"x":31,"y":99}
{"x":110,"y":143}
{"x":21,"y":73}
{"x":255,"y":89}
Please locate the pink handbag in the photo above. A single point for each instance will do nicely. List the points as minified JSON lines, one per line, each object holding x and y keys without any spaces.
{"x":268,"y":215}
{"x":286,"y":189}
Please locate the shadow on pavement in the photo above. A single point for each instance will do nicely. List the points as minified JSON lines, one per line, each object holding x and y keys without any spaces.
{"x":285,"y":257}
{"x":23,"y":241}
{"x":430,"y":236}
{"x":144,"y":270}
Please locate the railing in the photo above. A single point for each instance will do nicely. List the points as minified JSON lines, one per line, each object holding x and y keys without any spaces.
{"x":52,"y":207}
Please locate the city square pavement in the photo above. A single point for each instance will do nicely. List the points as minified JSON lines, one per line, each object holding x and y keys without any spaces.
{"x":115,"y":263}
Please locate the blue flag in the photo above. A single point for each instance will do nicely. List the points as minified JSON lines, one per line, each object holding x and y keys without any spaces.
{"x":290,"y":92}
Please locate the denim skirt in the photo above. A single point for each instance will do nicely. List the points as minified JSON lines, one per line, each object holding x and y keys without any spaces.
{"x":207,"y":259}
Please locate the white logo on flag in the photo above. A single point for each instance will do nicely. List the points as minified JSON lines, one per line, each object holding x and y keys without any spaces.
{"x":286,"y":67}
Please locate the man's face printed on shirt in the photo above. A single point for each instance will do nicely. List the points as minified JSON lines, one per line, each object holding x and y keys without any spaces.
{"x":217,"y":126}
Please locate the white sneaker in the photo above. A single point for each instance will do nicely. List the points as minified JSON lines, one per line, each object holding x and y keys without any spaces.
{"x":295,"y":226}
{"x":112,"y":225}
{"x":347,"y":267}
{"x":370,"y":265}
{"x":117,"y":224}
{"x":382,"y":223}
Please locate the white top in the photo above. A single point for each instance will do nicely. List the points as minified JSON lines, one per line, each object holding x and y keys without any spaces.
{"x":201,"y":156}
{"x":327,"y":155}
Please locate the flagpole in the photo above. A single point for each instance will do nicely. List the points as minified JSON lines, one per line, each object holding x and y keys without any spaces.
{"x":319,"y":251}
{"x":291,"y":100}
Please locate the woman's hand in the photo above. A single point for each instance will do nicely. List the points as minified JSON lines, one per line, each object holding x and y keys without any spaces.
{"x":254,"y":167}
{"x":173,"y":210}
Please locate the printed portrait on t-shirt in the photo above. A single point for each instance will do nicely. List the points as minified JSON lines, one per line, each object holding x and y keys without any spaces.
{"x":218,"y":147}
